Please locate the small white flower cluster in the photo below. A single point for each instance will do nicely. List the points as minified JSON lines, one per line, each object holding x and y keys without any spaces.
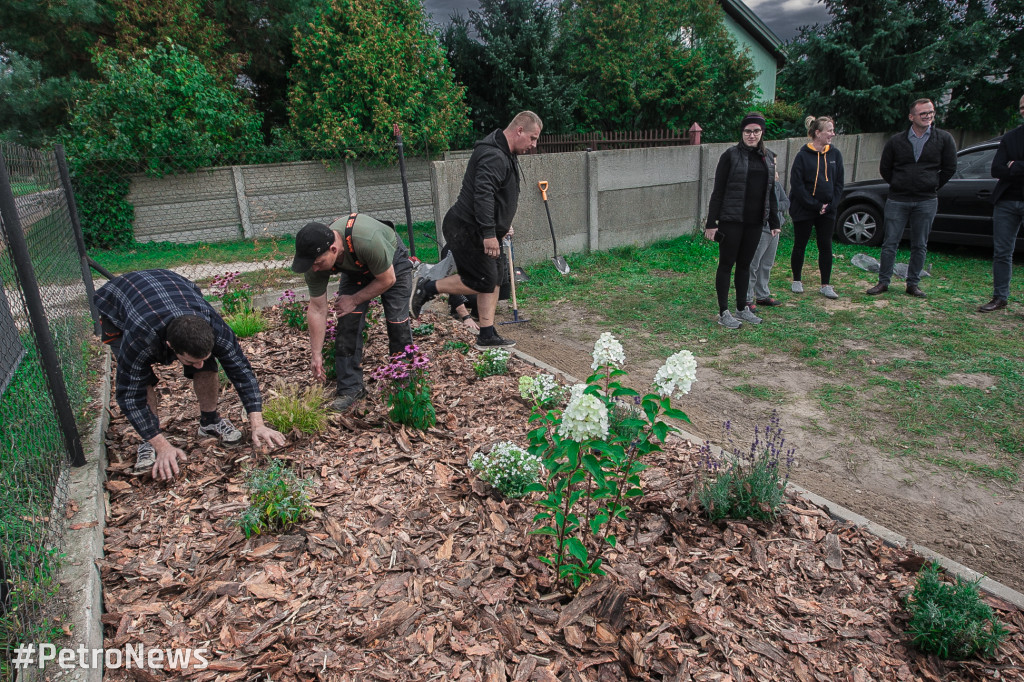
{"x":497,"y":354}
{"x":507,"y":467}
{"x":608,"y":351}
{"x":585,"y":417}
{"x":676,"y":375}
{"x":543,"y":389}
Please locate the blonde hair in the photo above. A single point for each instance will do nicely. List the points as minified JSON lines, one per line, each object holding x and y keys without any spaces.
{"x":814,"y":124}
{"x":526,"y":119}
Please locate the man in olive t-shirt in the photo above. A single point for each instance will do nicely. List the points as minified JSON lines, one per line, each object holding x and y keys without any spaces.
{"x":371,"y":261}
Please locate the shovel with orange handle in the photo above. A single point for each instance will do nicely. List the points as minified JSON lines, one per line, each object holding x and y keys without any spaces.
{"x":559,"y":262}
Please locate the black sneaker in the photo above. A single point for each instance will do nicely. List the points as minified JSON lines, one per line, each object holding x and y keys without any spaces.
{"x":345,"y":401}
{"x":419,"y":298}
{"x":493,"y":342}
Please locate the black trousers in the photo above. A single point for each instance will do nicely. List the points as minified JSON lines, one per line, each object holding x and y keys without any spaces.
{"x":737,"y":244}
{"x":348,"y":346}
{"x":823,"y":226}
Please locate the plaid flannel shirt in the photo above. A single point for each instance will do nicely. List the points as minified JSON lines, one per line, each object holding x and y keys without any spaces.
{"x":141,"y":304}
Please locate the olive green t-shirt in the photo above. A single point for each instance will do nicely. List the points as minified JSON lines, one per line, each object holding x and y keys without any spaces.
{"x":374,"y":244}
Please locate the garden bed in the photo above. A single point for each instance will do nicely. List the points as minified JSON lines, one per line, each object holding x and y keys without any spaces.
{"x":412,"y":568}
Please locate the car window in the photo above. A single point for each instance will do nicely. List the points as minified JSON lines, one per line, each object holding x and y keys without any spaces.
{"x":975,"y":165}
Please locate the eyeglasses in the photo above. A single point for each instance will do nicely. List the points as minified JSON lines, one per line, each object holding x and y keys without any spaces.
{"x":752,"y":131}
{"x":925,"y":114}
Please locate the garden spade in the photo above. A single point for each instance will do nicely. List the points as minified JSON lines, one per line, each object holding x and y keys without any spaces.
{"x":559,"y":262}
{"x":512,"y":279}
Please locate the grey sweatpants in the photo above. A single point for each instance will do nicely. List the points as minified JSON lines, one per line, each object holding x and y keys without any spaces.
{"x":761,"y":266}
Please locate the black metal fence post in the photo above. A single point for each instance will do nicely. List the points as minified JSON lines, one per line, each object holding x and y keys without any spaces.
{"x":76,"y":227}
{"x":405,"y":188}
{"x":37,"y":317}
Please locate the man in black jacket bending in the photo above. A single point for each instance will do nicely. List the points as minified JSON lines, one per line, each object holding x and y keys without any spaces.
{"x":1008,"y":214}
{"x":481,"y":216}
{"x":915,"y":163}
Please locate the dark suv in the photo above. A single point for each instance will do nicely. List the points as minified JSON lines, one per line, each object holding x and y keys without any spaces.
{"x":964,"y":215}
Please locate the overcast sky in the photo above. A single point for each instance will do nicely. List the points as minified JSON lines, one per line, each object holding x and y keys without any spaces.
{"x":782,"y":16}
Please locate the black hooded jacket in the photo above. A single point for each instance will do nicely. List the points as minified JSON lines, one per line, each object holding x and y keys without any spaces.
{"x":490,"y":188}
{"x":816,"y":178}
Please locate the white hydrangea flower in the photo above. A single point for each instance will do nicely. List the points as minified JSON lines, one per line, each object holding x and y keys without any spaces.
{"x":676,"y":375}
{"x":542,"y":388}
{"x":585,"y":418}
{"x":608,"y":351}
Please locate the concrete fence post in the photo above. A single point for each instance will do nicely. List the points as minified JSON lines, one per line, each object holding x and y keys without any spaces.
{"x":350,"y":177}
{"x":593,"y":219}
{"x":243,"y":203}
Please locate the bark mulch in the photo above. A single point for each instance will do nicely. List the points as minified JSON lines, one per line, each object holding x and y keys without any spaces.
{"x":413,"y":569}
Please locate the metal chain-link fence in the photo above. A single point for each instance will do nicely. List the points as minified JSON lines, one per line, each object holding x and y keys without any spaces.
{"x":239,"y":213}
{"x":44,"y":384}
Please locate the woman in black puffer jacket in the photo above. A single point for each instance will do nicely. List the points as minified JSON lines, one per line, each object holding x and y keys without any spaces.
{"x":815,"y":186}
{"x":742,"y":206}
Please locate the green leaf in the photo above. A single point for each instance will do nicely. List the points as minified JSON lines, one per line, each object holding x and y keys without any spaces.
{"x":577,"y":549}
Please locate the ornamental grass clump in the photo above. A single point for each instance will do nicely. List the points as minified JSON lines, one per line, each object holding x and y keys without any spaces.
{"x":278,"y":499}
{"x":293,"y":310}
{"x":542,"y":391}
{"x":751,"y":485}
{"x":507,"y":468}
{"x":492,"y":362}
{"x":290,"y":406}
{"x":405,"y":385}
{"x":951,"y":621}
{"x":247,"y":323}
{"x":593,"y":470}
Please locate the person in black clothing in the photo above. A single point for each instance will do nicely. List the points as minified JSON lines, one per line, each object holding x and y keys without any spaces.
{"x":742,"y":206}
{"x":480,"y":218}
{"x":815,"y":185}
{"x":915,"y":163}
{"x":1008,"y":214}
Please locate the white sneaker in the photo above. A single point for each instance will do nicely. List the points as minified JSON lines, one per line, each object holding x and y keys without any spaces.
{"x":828,"y":292}
{"x":145,"y":460}
{"x":748,"y":316}
{"x":728,"y":321}
{"x":798,"y":287}
{"x":223,"y":429}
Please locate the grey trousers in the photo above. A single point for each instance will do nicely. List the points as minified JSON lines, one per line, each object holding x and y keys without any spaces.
{"x":761,"y":266}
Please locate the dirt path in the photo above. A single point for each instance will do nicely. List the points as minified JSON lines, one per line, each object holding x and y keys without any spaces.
{"x":978,"y":523}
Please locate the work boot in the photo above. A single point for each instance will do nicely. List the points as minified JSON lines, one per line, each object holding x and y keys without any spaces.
{"x":877,"y":289}
{"x":914,"y":290}
{"x":345,"y":401}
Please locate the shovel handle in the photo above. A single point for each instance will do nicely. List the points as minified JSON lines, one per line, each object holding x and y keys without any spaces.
{"x":543,"y":185}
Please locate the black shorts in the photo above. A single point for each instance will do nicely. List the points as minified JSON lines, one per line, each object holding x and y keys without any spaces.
{"x":111,"y":336}
{"x":477,"y":270}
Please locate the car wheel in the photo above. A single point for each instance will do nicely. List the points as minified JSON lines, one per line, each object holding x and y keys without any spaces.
{"x":860,"y":224}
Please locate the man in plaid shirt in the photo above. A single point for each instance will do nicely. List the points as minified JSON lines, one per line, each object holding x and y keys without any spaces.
{"x":157,"y":316}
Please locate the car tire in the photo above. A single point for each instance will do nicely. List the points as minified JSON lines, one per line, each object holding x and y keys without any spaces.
{"x":860,"y":224}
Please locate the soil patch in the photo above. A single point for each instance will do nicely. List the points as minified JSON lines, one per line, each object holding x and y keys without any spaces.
{"x":978,"y":523}
{"x":413,"y":569}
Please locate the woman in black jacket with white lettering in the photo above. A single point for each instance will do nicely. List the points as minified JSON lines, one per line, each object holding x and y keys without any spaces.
{"x":815,"y":185}
{"x":742,"y":206}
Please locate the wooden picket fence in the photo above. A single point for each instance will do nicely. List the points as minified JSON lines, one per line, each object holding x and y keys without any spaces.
{"x":596,"y":141}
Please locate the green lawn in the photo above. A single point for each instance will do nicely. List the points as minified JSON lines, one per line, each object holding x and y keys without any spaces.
{"x":168,"y":255}
{"x":892,"y":360}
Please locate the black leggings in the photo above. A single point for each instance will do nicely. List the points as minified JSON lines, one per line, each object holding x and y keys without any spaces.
{"x":823,"y":225}
{"x":736,"y":246}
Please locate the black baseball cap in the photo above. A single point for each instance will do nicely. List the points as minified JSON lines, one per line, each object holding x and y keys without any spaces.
{"x":310,"y":242}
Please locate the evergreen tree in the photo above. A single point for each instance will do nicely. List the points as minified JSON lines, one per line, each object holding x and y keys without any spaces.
{"x":366,"y":65}
{"x":44,"y":56}
{"x":662,"y":63}
{"x":513,"y":64}
{"x":263,"y":33}
{"x":876,"y":56}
